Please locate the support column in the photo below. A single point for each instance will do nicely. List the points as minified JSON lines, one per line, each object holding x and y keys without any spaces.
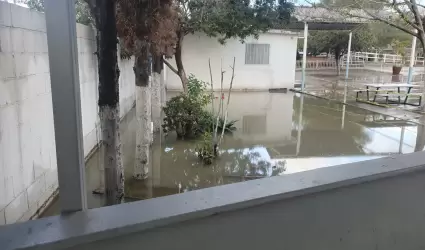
{"x":347,"y":66}
{"x":304,"y":56}
{"x":63,"y":61}
{"x":412,"y":60}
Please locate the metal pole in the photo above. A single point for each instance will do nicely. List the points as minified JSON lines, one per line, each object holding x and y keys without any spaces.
{"x":304,"y":56}
{"x":348,"y":55}
{"x":412,"y":60}
{"x":63,"y":61}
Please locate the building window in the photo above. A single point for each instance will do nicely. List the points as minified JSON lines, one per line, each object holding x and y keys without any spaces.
{"x":257,"y":53}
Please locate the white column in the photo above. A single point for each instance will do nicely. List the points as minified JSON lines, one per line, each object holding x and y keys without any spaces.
{"x":304,"y":56}
{"x":347,"y":66}
{"x":63,"y":60}
{"x":412,"y":60}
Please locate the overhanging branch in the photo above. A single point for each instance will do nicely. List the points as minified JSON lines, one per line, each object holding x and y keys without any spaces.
{"x":403,"y":15}
{"x":171,"y":67}
{"x":418,"y":17}
{"x":374,"y":17}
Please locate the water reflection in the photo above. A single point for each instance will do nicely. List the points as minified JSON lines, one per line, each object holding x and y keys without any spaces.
{"x":277,"y":134}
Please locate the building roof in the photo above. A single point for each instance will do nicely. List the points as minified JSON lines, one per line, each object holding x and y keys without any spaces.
{"x":320,"y":18}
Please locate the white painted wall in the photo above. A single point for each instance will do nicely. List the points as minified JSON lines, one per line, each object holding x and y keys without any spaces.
{"x":280,"y":73}
{"x":28,"y":170}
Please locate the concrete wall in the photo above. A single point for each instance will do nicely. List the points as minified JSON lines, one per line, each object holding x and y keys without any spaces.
{"x":385,"y":214}
{"x":280,"y":73}
{"x":28,"y":171}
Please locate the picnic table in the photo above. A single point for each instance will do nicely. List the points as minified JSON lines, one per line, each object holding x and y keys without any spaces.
{"x":389,"y":87}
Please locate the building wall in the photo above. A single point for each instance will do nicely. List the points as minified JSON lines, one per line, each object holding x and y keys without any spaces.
{"x":28,"y":170}
{"x":280,"y":73}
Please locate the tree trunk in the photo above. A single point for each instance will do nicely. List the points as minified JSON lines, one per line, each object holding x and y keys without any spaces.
{"x":163,"y":89}
{"x":179,"y":62}
{"x":422,"y":41}
{"x":156,"y":92}
{"x":337,"y":57}
{"x":109,"y":111}
{"x":142,"y":71}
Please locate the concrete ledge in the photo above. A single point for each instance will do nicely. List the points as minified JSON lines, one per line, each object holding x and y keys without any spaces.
{"x":98,"y":224}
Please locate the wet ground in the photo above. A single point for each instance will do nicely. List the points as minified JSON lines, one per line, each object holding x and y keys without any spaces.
{"x":327,"y":84}
{"x":276,"y":134}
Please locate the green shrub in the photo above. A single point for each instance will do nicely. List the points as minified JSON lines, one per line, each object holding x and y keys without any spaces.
{"x":186,"y":113}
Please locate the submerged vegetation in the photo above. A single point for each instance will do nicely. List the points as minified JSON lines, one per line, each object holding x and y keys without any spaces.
{"x":186,"y":114}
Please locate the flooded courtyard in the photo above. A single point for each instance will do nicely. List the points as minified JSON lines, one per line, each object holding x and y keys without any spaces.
{"x":277,"y":134}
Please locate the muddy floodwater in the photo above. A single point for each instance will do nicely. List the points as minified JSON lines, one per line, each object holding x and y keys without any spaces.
{"x":277,"y":134}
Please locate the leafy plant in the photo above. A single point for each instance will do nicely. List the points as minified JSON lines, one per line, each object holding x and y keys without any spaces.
{"x":182,"y":114}
{"x":230,"y":125}
{"x":185,"y":113}
{"x":399,"y":48}
{"x":208,"y":120}
{"x":206,"y":150}
{"x":196,"y":90}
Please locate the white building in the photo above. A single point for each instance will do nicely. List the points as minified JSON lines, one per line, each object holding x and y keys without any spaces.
{"x":268,"y":62}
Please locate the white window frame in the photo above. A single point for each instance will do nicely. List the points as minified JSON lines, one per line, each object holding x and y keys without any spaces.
{"x":257,"y":54}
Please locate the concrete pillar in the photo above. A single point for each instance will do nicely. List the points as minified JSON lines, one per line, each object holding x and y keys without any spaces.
{"x":63,"y":60}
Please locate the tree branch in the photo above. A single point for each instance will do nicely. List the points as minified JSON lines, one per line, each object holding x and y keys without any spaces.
{"x":171,"y":67}
{"x":417,"y":16}
{"x":374,"y":17}
{"x":403,"y":16}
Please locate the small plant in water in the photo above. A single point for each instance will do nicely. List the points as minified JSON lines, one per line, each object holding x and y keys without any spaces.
{"x":206,"y":149}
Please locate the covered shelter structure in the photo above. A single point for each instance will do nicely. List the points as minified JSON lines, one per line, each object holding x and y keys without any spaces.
{"x":317,"y":18}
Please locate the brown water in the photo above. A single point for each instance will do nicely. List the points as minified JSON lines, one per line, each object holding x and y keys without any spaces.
{"x":276,"y":134}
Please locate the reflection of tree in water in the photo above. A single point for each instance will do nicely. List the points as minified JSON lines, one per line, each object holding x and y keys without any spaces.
{"x":249,"y":164}
{"x":321,"y":123}
{"x":181,"y":166}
